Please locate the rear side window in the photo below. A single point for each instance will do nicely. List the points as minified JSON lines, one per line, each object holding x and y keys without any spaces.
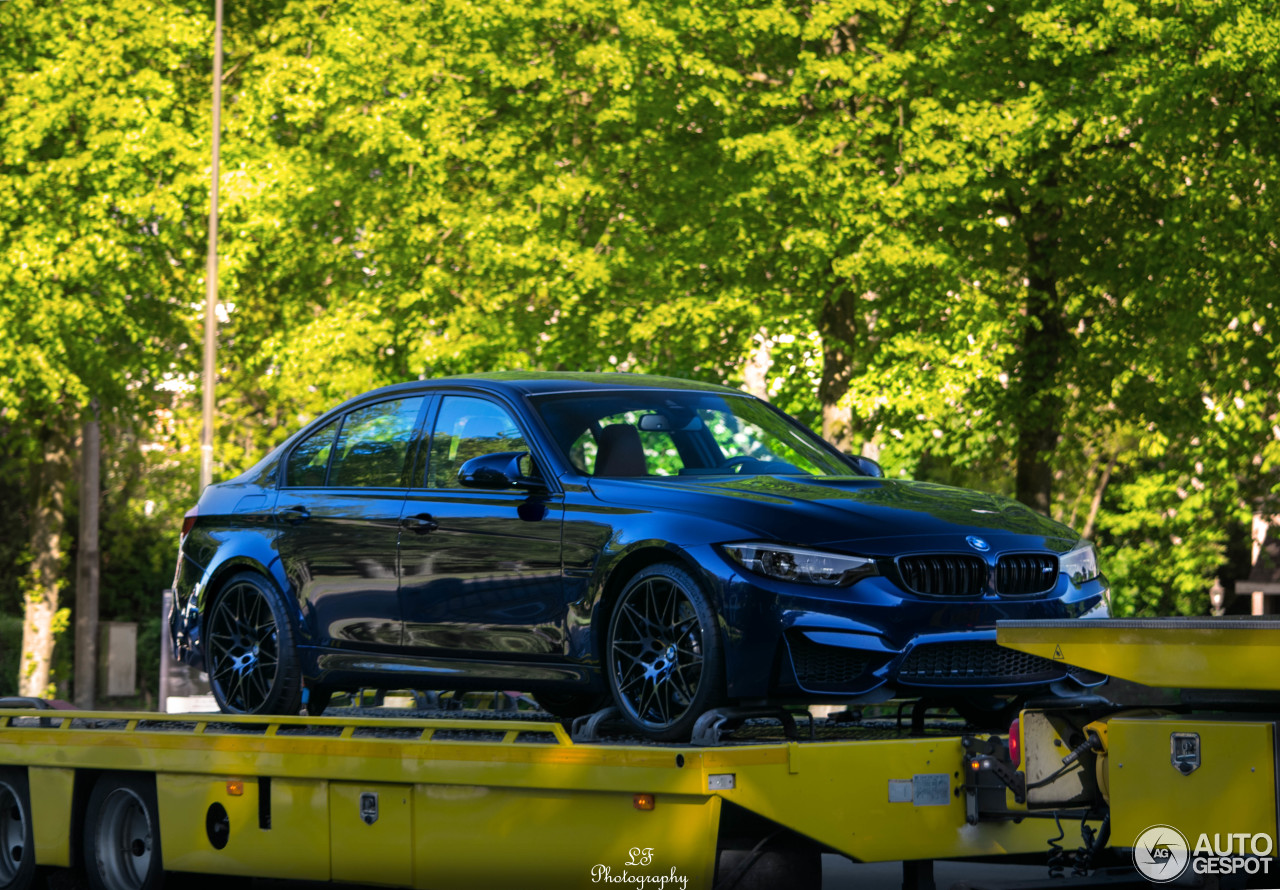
{"x":366,"y":449}
{"x":309,"y":462}
{"x":373,"y":444}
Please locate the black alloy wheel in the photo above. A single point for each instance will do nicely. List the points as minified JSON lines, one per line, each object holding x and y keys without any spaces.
{"x":249,"y":649}
{"x":664,"y":660}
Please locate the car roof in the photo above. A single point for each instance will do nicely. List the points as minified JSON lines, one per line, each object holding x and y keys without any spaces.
{"x":546,"y":382}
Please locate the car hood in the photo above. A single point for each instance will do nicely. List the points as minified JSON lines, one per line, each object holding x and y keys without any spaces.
{"x":855,"y":514}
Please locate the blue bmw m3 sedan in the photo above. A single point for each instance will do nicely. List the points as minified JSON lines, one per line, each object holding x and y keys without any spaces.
{"x":661,"y":545}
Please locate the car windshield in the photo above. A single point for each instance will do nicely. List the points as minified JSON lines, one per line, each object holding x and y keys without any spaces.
{"x":681,"y":433}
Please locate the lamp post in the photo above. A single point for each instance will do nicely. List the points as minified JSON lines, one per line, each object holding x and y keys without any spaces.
{"x":211,"y":266}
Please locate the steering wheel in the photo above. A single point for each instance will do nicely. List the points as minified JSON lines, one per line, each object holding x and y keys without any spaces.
{"x":738,"y":462}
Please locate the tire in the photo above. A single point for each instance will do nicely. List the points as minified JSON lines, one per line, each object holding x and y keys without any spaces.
{"x":122,"y":834}
{"x":568,"y":705}
{"x":250,"y":651}
{"x":17,"y":851}
{"x":663,"y":653}
{"x":770,"y":866}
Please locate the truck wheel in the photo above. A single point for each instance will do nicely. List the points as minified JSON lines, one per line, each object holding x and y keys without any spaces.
{"x":122,"y":834}
{"x":249,"y":649}
{"x":17,"y":853}
{"x":663,"y":653}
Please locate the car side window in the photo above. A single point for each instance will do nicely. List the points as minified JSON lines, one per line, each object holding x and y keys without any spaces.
{"x":465,"y":428}
{"x":371,"y":449}
{"x":309,"y":462}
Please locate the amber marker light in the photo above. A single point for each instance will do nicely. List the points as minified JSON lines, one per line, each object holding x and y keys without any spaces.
{"x":235,"y":789}
{"x":644,"y":802}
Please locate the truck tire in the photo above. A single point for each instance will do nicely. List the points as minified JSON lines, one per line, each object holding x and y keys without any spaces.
{"x":17,"y":852}
{"x":122,"y":834}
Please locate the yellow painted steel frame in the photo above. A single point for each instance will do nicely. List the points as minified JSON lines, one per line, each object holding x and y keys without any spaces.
{"x":1163,"y":652}
{"x":454,"y":810}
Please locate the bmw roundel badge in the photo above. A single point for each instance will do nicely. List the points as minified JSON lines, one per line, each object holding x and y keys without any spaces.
{"x":978,"y":544}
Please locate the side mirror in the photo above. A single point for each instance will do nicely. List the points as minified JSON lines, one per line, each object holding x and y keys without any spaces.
{"x":866,"y":466}
{"x":499,"y":470}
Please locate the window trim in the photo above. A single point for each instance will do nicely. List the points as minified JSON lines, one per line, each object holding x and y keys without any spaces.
{"x":419,"y":482}
{"x":411,"y":456}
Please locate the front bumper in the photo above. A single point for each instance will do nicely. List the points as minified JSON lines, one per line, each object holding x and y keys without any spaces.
{"x":785,"y":640}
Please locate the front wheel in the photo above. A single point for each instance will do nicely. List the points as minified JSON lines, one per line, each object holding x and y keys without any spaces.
{"x":249,"y":648}
{"x":663,"y":653}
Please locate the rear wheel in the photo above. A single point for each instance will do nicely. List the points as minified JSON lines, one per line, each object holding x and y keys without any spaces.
{"x":249,"y":648}
{"x":663,"y":653}
{"x":17,"y":853}
{"x":122,"y":834}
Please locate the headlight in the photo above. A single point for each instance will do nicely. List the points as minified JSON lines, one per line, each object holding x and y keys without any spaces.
{"x":804,"y":566}
{"x":1081,"y":564}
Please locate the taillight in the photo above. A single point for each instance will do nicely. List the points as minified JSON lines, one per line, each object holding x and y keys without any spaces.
{"x":188,"y":521}
{"x":1015,"y":743}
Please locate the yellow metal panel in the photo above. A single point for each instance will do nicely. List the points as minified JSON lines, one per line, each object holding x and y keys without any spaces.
{"x":1168,"y":652}
{"x":1233,"y":790}
{"x":839,"y":794}
{"x":479,"y":837}
{"x":295,"y":846}
{"x":376,"y":852}
{"x":51,"y":791}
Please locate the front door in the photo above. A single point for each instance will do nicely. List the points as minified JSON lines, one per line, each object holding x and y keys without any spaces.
{"x":479,"y":569}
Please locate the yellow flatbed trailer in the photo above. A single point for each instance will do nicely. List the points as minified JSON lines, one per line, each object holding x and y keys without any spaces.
{"x":466,"y":803}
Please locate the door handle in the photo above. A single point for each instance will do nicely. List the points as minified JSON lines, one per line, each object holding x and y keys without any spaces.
{"x":422,"y":523}
{"x":295,"y":514}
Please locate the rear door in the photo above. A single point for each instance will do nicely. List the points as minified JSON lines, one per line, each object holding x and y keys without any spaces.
{"x":339,"y":520}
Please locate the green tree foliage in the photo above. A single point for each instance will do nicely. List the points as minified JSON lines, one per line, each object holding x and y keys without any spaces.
{"x":1019,"y":246}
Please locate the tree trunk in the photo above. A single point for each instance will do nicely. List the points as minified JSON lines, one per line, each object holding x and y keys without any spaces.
{"x":755,"y":372}
{"x":40,"y":601}
{"x":1039,"y":406}
{"x":837,"y":325}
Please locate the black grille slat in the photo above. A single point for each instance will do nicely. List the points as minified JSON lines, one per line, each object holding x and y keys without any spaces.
{"x":944,"y":574}
{"x":977,"y":662}
{"x":1021,"y":574}
{"x":958,"y":574}
{"x":826,"y":668}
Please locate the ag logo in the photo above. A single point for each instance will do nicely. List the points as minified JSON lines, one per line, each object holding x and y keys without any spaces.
{"x":1161,"y":853}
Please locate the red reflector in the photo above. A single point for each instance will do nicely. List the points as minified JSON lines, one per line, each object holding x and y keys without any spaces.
{"x":188,"y":521}
{"x":1015,"y":743}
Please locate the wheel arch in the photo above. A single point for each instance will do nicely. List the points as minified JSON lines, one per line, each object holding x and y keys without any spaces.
{"x":623,"y":570}
{"x":232,"y":566}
